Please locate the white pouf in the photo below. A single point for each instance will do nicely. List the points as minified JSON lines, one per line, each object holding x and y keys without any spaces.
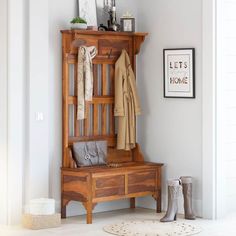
{"x":42,"y":206}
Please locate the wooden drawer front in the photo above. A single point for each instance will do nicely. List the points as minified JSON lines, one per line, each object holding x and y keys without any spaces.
{"x":110,"y":182}
{"x":142,"y":182}
{"x":109,"y":186}
{"x":108,"y":192}
{"x":75,"y":186}
{"x":105,"y":46}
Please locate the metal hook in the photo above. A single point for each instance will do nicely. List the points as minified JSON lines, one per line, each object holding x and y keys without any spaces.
{"x":109,"y":55}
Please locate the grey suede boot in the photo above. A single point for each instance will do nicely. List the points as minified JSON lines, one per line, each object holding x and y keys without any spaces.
{"x":173,"y":194}
{"x":187,"y":192}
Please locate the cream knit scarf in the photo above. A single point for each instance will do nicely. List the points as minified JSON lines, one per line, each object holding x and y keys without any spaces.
{"x":85,"y":78}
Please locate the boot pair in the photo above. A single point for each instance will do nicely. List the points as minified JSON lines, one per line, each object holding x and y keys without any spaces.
{"x":173,"y":194}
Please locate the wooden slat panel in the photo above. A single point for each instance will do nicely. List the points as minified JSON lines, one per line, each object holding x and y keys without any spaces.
{"x":101,"y":123}
{"x":95,"y":120}
{"x":103,"y":100}
{"x":87,"y":120}
{"x":76,"y":122}
{"x":104,"y":120}
{"x":72,"y":100}
{"x":72,"y":59}
{"x":112,"y":120}
{"x":112,"y":80}
{"x":95,"y":80}
{"x":111,"y":140}
{"x":112,"y":93}
{"x":104,"y":59}
{"x":65,"y":82}
{"x":77,"y":125}
{"x":96,"y":100}
{"x":104,"y":79}
{"x":99,"y":80}
{"x":75,"y":80}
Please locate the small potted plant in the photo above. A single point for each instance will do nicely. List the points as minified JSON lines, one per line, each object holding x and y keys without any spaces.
{"x":79,"y":23}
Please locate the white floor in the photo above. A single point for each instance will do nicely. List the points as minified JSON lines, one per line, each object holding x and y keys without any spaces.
{"x":76,"y":226}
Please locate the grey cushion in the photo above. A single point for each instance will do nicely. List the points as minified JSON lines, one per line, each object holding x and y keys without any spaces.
{"x":90,"y":153}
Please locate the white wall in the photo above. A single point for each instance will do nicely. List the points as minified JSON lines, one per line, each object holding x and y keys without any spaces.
{"x":3,"y":112}
{"x":226,"y":106}
{"x":170,"y":130}
{"x":37,"y":98}
{"x":16,"y":107}
{"x":24,"y":89}
{"x":12,"y":109}
{"x":209,"y":109}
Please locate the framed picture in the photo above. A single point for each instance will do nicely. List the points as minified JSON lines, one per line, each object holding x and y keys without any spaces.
{"x":179,"y":73}
{"x":127,"y":24}
{"x":87,"y":9}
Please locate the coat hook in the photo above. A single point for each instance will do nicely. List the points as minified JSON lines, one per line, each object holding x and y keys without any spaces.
{"x":109,"y":55}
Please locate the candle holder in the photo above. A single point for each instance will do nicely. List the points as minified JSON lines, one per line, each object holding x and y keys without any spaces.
{"x":109,"y":9}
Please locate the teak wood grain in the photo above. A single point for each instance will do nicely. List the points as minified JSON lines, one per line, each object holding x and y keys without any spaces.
{"x":91,"y":185}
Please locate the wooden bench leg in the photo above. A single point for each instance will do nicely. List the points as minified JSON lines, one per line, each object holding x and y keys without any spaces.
{"x":158,"y":201}
{"x":89,"y":213}
{"x":64,"y":202}
{"x":132,"y":203}
{"x":63,"y":212}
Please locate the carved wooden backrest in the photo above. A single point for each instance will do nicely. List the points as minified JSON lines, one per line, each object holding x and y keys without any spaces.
{"x":100,"y":123}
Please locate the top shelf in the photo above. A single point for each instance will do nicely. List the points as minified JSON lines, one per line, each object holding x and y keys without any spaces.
{"x":95,"y":32}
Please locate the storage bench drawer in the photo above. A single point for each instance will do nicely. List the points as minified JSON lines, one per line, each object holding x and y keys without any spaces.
{"x":109,"y":186}
{"x":110,"y":181}
{"x":142,"y":182}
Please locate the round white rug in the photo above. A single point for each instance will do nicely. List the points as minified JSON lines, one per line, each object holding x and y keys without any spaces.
{"x":152,"y":228}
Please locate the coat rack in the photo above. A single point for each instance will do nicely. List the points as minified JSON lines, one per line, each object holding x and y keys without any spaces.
{"x":132,"y":177}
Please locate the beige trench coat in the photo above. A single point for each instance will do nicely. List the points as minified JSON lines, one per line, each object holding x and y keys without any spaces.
{"x":127,"y":104}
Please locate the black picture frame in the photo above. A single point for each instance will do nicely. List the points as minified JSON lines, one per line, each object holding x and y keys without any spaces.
{"x":122,"y":24}
{"x":179,"y":94}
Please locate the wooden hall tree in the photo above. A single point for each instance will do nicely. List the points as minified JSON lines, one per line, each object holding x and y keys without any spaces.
{"x":90,"y":185}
